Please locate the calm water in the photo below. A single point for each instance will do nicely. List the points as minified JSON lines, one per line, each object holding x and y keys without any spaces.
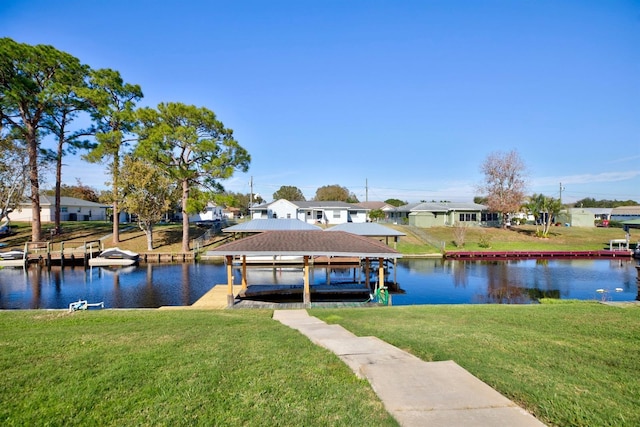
{"x":419,"y":281}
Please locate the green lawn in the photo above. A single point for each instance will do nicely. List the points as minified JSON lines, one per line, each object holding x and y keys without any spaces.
{"x":571,"y":364}
{"x":520,"y":238}
{"x":182,"y":367}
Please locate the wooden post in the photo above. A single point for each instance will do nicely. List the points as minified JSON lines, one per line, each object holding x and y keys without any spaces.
{"x":380,"y":272}
{"x":230,"y":297}
{"x":367,"y":272}
{"x":307,"y":291}
{"x":244,"y":272}
{"x":638,"y":282}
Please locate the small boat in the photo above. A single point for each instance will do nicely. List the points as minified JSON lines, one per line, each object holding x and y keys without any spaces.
{"x":12,"y":255}
{"x":13,"y":258}
{"x":115,"y":256}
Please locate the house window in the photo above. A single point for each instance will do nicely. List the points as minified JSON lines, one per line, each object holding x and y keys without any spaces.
{"x":490,"y":216}
{"x":319,"y":215}
{"x":336,"y":214}
{"x":288,"y":216}
{"x":468,"y":217}
{"x":64,"y":209}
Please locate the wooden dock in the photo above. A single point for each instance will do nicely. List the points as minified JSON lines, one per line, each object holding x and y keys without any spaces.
{"x":151,"y":257}
{"x":536,"y":254}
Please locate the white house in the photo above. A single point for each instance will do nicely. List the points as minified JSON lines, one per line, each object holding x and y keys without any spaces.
{"x":212,"y":212}
{"x":71,"y":209}
{"x":311,"y":212}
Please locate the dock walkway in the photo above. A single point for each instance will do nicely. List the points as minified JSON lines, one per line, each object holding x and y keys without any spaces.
{"x":415,"y":392}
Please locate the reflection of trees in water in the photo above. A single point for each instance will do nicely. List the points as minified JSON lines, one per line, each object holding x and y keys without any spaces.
{"x":501,"y":288}
{"x":186,"y":288}
{"x":460,"y":271}
{"x":36,"y":286}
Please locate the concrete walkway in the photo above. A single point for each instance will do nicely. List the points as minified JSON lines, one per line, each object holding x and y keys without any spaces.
{"x":415,"y":392}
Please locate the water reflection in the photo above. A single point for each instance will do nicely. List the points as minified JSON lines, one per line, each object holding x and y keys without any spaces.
{"x":411,"y":281}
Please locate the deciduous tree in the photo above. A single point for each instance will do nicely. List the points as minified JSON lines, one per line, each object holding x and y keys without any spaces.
{"x":335,"y":193}
{"x":376,"y":214}
{"x":504,"y":183}
{"x":79,"y":191}
{"x":289,"y":192}
{"x":14,"y":170}
{"x":147,"y":192}
{"x":193,"y":147}
{"x":395,"y":202}
{"x":112,"y":110}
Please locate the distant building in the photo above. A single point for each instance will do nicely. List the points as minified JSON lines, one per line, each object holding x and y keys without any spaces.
{"x":71,"y":209}
{"x":443,"y":214}
{"x":625,"y":213}
{"x":324,"y":212}
{"x":211,"y":212}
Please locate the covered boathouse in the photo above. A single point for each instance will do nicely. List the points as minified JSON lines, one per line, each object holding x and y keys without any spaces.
{"x":308,"y":244}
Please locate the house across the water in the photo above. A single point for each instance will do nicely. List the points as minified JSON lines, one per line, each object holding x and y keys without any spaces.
{"x":323,"y":212}
{"x":442,"y":214}
{"x":71,"y":209}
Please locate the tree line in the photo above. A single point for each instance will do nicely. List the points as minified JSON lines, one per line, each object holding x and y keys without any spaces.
{"x":154,"y":155}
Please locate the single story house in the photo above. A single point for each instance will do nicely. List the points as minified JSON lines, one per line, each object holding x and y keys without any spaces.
{"x":71,"y":209}
{"x":384,"y":207}
{"x":625,"y":213}
{"x":324,"y":212}
{"x":444,"y":214}
{"x":212,"y":212}
{"x":583,"y":217}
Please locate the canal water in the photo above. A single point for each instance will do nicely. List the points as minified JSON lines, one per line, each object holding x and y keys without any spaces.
{"x":412,"y":281}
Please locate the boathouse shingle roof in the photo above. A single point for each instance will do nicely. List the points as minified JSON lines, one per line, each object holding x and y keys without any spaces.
{"x":311,"y":243}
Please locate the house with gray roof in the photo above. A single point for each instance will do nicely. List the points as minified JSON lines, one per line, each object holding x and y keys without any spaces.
{"x":444,"y":214}
{"x":71,"y":209}
{"x":625,"y":213}
{"x":312,"y":212}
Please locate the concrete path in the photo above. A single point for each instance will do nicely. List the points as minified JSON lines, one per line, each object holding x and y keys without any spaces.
{"x":415,"y":392}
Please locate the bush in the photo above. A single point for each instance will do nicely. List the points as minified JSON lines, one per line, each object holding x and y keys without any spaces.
{"x":484,"y":241}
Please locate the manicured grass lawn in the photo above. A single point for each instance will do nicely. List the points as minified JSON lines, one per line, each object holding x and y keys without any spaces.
{"x":183,"y":367}
{"x":571,"y":364}
{"x":520,"y":238}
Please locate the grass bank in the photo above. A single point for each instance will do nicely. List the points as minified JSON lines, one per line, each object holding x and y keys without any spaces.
{"x":521,"y":238}
{"x":168,"y":237}
{"x":571,"y":364}
{"x":150,"y":367}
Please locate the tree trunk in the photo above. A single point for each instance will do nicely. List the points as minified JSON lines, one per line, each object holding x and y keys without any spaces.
{"x":149,"y":233}
{"x":58,"y":181}
{"x":115,"y":190}
{"x":185,"y":216}
{"x":36,"y":224}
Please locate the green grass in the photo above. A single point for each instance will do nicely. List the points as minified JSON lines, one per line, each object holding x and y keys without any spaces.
{"x":570,"y":364}
{"x":150,"y":367}
{"x":524,"y":238}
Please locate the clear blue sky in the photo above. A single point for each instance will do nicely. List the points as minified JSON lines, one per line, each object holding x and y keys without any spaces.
{"x":405,"y":97}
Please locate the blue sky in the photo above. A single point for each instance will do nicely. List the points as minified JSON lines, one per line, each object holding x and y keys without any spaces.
{"x":391,"y":99}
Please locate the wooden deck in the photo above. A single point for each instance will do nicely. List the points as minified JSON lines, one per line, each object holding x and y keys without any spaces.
{"x":537,"y":254}
{"x":216,"y":298}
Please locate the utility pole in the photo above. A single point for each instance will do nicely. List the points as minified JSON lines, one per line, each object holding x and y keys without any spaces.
{"x":250,"y":191}
{"x":366,"y":190}
{"x":561,"y":188}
